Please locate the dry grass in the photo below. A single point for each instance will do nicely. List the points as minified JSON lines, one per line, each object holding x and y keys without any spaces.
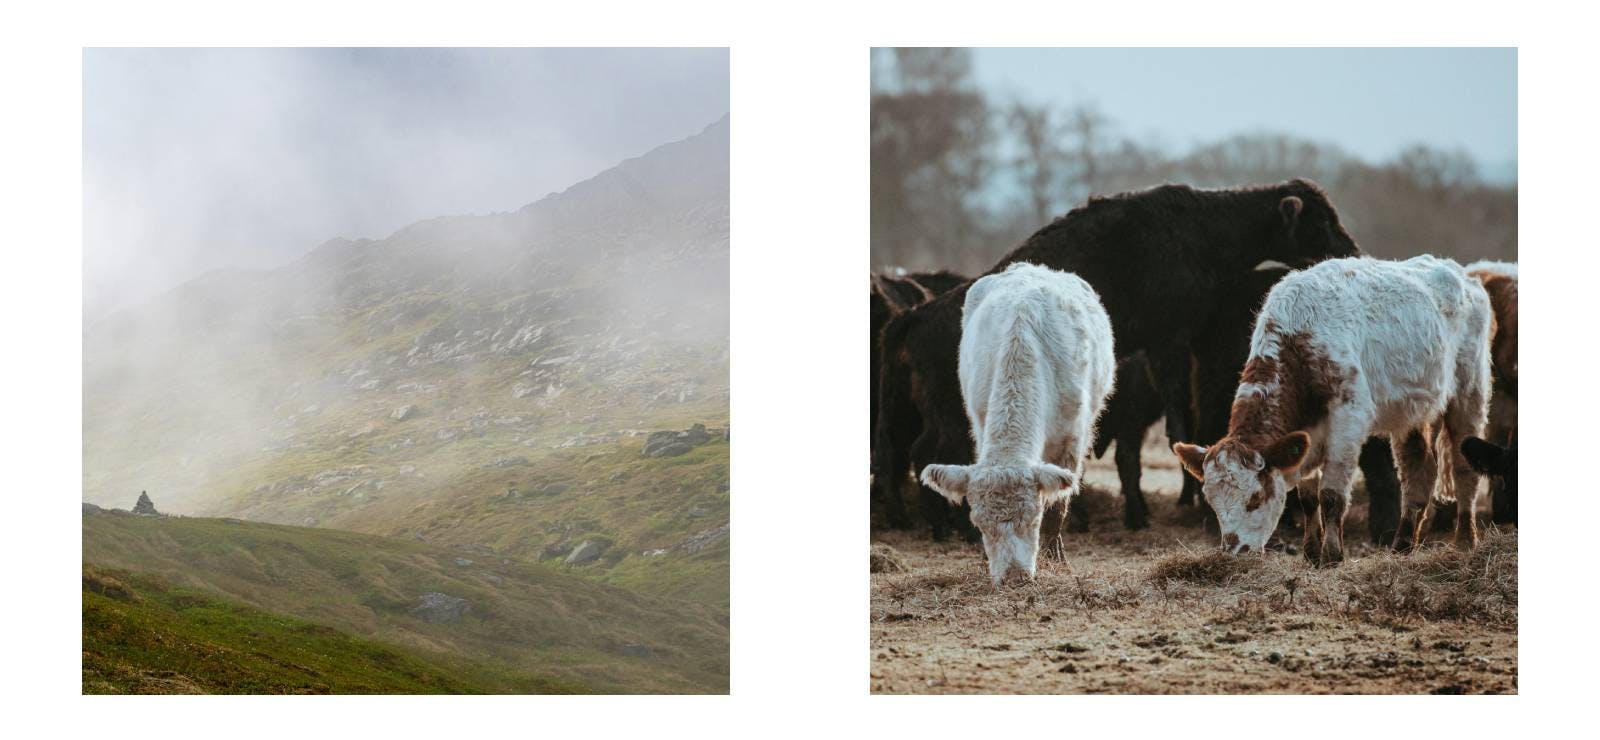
{"x":1212,"y":568}
{"x":1163,"y":611}
{"x":886,"y":559}
{"x":1439,"y":583}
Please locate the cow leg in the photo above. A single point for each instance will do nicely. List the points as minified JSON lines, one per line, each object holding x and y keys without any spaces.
{"x":1464,"y":418}
{"x":925,"y":452}
{"x":1174,"y":375}
{"x":1135,"y":512}
{"x":1338,"y":473}
{"x":1417,"y":470}
{"x":1050,"y":529}
{"x":1311,"y":544}
{"x":1383,"y":490}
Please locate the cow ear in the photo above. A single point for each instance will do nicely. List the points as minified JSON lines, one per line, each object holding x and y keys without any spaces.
{"x":1290,"y":207}
{"x":1193,"y":458}
{"x":1054,"y":482}
{"x":949,"y":480}
{"x":1289,"y":451}
{"x":1485,"y":457}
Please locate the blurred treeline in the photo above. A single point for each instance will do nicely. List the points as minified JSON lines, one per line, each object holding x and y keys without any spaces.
{"x":960,"y":177}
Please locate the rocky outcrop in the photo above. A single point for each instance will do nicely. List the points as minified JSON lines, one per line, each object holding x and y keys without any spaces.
{"x":672,"y":444}
{"x":587,"y":551}
{"x":145,"y":506}
{"x":440,"y":608}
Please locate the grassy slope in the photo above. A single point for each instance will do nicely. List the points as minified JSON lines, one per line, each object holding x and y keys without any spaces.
{"x":639,"y":504}
{"x":523,"y":618}
{"x":141,"y":635}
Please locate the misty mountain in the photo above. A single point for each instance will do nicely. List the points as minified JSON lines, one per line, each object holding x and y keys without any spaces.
{"x":448,"y":366}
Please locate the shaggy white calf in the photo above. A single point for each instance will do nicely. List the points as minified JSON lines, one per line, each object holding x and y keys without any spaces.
{"x":1342,"y":351}
{"x":1036,"y":365}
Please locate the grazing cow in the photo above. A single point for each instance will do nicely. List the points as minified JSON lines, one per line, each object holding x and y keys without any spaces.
{"x":1500,"y":282}
{"x":1036,"y":365}
{"x":1342,"y":351}
{"x":1158,"y":258}
{"x":891,"y":295}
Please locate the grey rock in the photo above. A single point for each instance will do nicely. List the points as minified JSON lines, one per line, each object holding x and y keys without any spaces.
{"x":440,"y":608}
{"x":145,"y":506}
{"x":637,"y":651}
{"x":587,"y":551}
{"x":671,"y":444}
{"x":668,"y":449}
{"x":463,"y":562}
{"x":401,"y":413}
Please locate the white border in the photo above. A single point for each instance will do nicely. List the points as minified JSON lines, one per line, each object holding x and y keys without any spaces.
{"x":799,"y":97}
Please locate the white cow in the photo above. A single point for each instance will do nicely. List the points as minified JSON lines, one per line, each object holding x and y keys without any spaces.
{"x":1342,"y":351}
{"x":1036,"y":366}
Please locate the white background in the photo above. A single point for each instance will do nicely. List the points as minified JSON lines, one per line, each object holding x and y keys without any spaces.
{"x":800,"y":214}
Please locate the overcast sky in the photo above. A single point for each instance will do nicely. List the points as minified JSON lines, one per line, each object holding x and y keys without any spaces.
{"x":1371,"y":102}
{"x":202,"y":159}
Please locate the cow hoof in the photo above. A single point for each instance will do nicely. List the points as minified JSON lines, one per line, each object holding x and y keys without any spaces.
{"x":1312,"y":556}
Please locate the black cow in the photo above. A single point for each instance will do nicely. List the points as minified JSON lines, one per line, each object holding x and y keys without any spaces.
{"x":891,"y":295}
{"x":1159,"y":258}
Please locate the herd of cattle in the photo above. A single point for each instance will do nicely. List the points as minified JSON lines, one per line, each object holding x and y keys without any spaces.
{"x":1281,"y":359}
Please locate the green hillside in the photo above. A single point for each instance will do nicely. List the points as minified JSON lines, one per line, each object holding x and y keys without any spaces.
{"x":459,"y":408}
{"x":521,"y":618}
{"x":663,"y":521}
{"x":141,"y":635}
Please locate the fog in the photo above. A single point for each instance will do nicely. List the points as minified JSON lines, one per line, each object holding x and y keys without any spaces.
{"x":204,"y":159}
{"x":283,"y":247}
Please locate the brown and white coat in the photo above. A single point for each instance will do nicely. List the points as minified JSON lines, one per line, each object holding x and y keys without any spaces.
{"x":1344,"y":350}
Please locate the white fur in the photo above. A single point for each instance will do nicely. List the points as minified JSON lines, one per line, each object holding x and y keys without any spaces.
{"x":1410,"y":340}
{"x":1036,"y":365}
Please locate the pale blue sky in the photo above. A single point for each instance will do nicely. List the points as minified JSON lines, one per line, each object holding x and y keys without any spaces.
{"x":1370,"y":102}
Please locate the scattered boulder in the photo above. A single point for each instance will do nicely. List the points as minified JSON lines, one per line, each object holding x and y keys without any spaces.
{"x":701,"y":540}
{"x":440,"y":608}
{"x":463,"y":562}
{"x":587,"y":551}
{"x":637,"y":651}
{"x":145,"y":506}
{"x":555,"y":550}
{"x":401,"y":413}
{"x":672,"y":444}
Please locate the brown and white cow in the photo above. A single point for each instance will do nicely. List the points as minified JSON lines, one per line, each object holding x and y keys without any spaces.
{"x":1344,"y":350}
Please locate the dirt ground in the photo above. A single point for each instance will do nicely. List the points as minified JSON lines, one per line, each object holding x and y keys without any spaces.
{"x":1161,"y":611}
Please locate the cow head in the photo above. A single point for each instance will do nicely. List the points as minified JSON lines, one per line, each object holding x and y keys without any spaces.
{"x":1310,"y":227}
{"x":1491,"y":459}
{"x":1246,"y":485}
{"x":1008,"y":505}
